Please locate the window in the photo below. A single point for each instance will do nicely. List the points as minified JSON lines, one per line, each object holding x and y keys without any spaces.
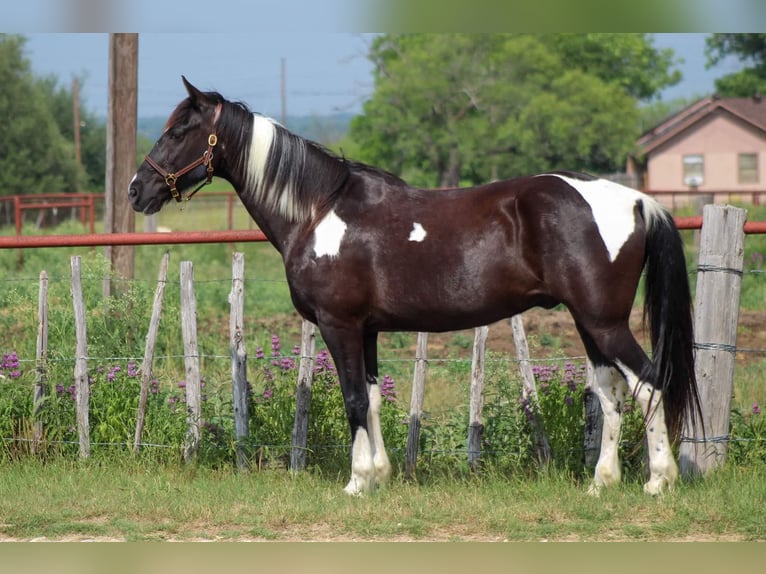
{"x":748,"y":168}
{"x":694,"y":170}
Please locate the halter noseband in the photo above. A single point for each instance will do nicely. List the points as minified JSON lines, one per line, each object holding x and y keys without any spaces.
{"x":207,"y":160}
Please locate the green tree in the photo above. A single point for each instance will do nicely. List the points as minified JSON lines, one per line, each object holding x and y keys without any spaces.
{"x":452,"y":109}
{"x":92,"y":132}
{"x":35,"y":157}
{"x":751,"y":50}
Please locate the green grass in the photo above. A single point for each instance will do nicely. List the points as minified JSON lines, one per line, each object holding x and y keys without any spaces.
{"x":127,"y":500}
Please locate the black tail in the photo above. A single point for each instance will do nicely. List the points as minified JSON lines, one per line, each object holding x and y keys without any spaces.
{"x":667,"y":307}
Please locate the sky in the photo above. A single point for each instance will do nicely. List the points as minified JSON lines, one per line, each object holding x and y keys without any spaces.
{"x":325,"y":72}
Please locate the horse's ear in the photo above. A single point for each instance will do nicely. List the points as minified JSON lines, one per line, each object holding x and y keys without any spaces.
{"x":195,"y":95}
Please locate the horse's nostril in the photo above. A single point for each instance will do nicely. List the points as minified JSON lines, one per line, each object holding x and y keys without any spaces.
{"x":132,"y":193}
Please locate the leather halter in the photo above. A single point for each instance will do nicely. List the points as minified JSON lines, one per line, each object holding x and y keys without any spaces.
{"x":207,"y":160}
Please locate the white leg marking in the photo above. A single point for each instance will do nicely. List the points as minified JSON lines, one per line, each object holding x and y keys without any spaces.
{"x":418,"y":233}
{"x":362,"y":465}
{"x":612,"y":206}
{"x":610,"y":389}
{"x":663,"y":470}
{"x":328,"y":235}
{"x":379,"y":455}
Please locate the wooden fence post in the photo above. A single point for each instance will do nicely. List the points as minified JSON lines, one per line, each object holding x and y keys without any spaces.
{"x":81,"y":360}
{"x":303,"y":397}
{"x":594,"y":421}
{"x":475,"y":425}
{"x":529,"y":391}
{"x":151,"y":340}
{"x":416,"y":405}
{"x":239,"y":359}
{"x":191,"y":361}
{"x":41,"y":360}
{"x":716,"y":312}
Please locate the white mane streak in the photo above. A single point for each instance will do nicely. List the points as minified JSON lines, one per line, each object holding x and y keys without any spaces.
{"x":273,"y":190}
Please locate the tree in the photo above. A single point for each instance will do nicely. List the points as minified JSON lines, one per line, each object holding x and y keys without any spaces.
{"x":35,"y":156}
{"x":450,"y":109}
{"x":751,"y":50}
{"x":92,"y":131}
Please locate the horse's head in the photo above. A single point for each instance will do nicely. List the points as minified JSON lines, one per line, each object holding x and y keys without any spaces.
{"x":182,"y":157}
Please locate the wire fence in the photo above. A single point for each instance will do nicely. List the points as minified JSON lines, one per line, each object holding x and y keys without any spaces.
{"x":494,"y":358}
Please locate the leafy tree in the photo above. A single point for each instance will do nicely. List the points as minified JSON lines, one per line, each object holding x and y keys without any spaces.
{"x":751,"y":50}
{"x":92,"y":132}
{"x":35,"y":156}
{"x":451,"y":109}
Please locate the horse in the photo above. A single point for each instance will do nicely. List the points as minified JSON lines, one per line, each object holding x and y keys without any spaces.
{"x":366,"y":253}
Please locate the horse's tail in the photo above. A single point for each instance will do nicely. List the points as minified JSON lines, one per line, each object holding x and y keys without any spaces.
{"x":667,"y":308}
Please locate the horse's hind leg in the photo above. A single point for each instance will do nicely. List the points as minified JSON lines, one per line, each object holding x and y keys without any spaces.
{"x":663,"y":470}
{"x":610,"y":388}
{"x":616,"y":348}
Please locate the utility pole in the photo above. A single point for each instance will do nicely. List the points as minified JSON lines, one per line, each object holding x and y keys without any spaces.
{"x":121,"y":150}
{"x":76,"y":126}
{"x":283,"y":91}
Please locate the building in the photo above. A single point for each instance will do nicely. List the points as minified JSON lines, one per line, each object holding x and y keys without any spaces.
{"x":715,"y":147}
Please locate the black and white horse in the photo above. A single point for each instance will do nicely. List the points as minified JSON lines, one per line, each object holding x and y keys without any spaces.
{"x":364,"y":253}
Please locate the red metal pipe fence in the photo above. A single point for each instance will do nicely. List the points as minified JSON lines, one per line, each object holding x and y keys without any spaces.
{"x":233,"y":236}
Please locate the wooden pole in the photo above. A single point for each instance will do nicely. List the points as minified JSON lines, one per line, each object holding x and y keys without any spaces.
{"x":191,"y":362}
{"x":594,"y":421}
{"x":416,"y":405}
{"x":475,"y":425}
{"x":716,"y":313}
{"x":76,"y":127}
{"x":41,"y":360}
{"x":151,"y":340}
{"x":239,"y":358}
{"x":303,"y":397}
{"x":119,"y":216}
{"x":82,"y":391}
{"x":529,"y":391}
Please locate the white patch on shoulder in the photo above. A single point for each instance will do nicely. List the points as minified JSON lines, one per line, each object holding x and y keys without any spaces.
{"x":328,"y":235}
{"x":418,"y":233}
{"x":612,"y":206}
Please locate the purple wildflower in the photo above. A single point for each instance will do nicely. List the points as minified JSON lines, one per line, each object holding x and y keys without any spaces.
{"x":275,"y":346}
{"x":181,"y":384}
{"x":59,"y":390}
{"x":267,"y":393}
{"x":297,"y":350}
{"x":756,"y":409}
{"x":387,"y":389}
{"x":259,"y":354}
{"x":132,"y":369}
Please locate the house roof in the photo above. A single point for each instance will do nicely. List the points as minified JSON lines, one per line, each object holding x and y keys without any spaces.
{"x":750,"y":110}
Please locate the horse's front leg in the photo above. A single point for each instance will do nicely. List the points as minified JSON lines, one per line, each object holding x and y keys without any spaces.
{"x":345,"y":344}
{"x":379,"y":455}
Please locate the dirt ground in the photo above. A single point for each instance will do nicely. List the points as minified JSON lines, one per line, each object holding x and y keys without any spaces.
{"x":551,"y":333}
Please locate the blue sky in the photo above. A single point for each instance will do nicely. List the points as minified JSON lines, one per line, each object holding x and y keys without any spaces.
{"x":325,"y":72}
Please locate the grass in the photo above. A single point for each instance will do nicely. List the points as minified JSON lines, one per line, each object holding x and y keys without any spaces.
{"x":125,"y":499}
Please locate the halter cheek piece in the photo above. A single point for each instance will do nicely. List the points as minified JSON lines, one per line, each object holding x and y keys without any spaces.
{"x":207,"y":160}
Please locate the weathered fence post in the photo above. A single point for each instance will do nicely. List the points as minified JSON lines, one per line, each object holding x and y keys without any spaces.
{"x":81,"y":360}
{"x":41,"y":360}
{"x":239,"y":359}
{"x":303,"y":397}
{"x":716,"y":312}
{"x":529,"y":391}
{"x":475,"y":425}
{"x":191,"y":361}
{"x":594,"y":421}
{"x":151,"y":340}
{"x":416,"y":405}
